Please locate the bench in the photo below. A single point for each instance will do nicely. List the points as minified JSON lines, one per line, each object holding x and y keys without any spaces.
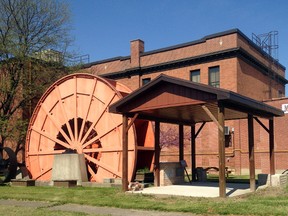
{"x":227,"y":170}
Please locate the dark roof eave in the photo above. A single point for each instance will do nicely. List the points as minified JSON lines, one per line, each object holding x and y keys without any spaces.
{"x":254,"y":106}
{"x":118,"y":58}
{"x":192,"y":60}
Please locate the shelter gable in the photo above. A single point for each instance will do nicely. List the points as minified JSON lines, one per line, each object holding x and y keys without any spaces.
{"x":166,"y":95}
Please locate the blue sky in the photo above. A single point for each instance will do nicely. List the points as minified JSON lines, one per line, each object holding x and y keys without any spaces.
{"x":104,"y":28}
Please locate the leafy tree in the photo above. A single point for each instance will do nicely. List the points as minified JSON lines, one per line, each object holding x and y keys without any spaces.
{"x":30,"y":31}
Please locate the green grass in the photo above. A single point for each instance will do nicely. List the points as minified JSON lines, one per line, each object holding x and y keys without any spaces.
{"x":270,"y":201}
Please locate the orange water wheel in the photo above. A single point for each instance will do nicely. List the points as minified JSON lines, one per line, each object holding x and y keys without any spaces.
{"x":72,"y":115}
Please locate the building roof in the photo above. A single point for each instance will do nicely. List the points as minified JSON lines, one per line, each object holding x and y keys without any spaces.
{"x":173,"y":100}
{"x":202,"y":40}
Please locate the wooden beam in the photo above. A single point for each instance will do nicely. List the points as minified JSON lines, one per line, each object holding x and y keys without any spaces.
{"x":157,"y":154}
{"x":193,"y":152}
{"x":261,"y":124}
{"x":213,"y":118}
{"x":251,"y":153}
{"x":199,"y":130}
{"x":125,"y":154}
{"x":181,"y":142}
{"x":132,"y":121}
{"x":221,"y":147}
{"x":271,"y":146}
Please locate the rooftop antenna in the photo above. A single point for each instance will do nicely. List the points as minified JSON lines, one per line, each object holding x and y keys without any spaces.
{"x":268,"y":42}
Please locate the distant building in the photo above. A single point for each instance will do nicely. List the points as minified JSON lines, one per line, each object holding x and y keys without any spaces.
{"x":228,"y":60}
{"x":49,"y":55}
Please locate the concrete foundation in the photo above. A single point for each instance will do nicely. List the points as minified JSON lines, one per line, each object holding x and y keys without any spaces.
{"x":171,"y":173}
{"x":277,"y":180}
{"x":69,"y":167}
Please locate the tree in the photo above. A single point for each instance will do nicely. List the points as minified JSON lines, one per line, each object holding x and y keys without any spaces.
{"x":31,"y":26}
{"x":29,"y":30}
{"x":169,"y":135}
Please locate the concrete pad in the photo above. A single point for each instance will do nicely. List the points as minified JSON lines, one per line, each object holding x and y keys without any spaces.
{"x":201,"y":189}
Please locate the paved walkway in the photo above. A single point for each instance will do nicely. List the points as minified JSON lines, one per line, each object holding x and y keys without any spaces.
{"x":89,"y":209}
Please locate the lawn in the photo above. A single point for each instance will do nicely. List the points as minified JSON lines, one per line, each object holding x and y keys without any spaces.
{"x":269,"y":201}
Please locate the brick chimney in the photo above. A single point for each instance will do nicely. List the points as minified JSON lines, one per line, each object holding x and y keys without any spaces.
{"x":136,"y":48}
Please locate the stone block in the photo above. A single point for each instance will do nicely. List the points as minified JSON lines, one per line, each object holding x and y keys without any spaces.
{"x":65,"y":183}
{"x":108,"y":180}
{"x":23,"y":182}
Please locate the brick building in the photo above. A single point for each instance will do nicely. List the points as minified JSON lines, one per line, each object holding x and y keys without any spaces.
{"x":228,"y":60}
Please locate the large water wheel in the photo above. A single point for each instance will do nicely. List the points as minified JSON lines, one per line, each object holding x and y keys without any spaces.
{"x":72,"y":115}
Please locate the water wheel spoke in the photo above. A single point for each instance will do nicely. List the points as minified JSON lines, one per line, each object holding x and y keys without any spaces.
{"x":75,"y":110}
{"x":93,"y":174}
{"x":88,"y":109}
{"x":106,"y":149}
{"x":47,"y":135}
{"x":97,"y":120}
{"x":56,"y":123}
{"x":98,"y":137}
{"x":36,"y":153}
{"x":102,"y":165}
{"x":60,"y":101}
{"x":43,"y":172}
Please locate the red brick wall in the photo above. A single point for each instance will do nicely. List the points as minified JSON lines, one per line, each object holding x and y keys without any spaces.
{"x":228,"y":72}
{"x":255,"y":84}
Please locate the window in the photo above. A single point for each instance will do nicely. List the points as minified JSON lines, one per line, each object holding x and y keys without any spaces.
{"x":280,"y":94}
{"x":145,"y":81}
{"x":195,"y":76}
{"x":214,"y":76}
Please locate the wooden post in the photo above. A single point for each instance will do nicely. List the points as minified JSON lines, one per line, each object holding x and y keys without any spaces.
{"x":221,"y":146}
{"x":125,"y":154}
{"x":181,"y":142}
{"x":271,"y":147}
{"x":157,"y":154}
{"x":194,"y":135}
{"x":251,"y":153}
{"x":193,"y":152}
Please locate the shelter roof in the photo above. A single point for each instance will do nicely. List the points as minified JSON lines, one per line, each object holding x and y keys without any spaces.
{"x":174,"y":100}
